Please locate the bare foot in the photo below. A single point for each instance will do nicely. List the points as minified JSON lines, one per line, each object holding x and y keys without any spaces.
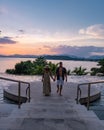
{"x":60,"y":94}
{"x":57,"y":90}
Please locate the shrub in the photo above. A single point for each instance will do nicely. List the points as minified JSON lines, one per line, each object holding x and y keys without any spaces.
{"x":80,"y":71}
{"x":32,"y":68}
{"x":95,"y":71}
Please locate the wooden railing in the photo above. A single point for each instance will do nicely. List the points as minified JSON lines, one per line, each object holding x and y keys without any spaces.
{"x":79,"y":92}
{"x":19,"y":89}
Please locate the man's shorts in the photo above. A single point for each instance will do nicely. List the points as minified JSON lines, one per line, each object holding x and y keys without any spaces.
{"x":60,"y":82}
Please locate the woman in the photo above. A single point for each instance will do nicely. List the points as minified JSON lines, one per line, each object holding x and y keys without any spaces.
{"x":46,"y":81}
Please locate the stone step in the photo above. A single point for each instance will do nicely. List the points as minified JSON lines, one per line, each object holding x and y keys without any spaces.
{"x":51,"y":116}
{"x":51,"y":113}
{"x":50,"y":124}
{"x":52,"y":110}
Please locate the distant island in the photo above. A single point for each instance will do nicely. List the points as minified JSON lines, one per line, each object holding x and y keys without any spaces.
{"x":55,"y":57}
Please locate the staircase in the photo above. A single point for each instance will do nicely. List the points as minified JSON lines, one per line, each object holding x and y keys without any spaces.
{"x":51,"y":113}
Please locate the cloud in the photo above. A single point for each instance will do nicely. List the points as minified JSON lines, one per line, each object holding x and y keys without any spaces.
{"x":21,"y":31}
{"x":47,"y":46}
{"x":84,"y":51}
{"x":3,"y":10}
{"x":7,"y":40}
{"x":98,"y":53}
{"x":96,"y":30}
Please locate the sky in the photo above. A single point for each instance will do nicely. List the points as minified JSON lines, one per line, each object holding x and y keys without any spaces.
{"x":36,"y":27}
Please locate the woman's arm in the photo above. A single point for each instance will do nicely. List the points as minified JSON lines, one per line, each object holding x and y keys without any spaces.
{"x":51,"y":75}
{"x":42,"y":77}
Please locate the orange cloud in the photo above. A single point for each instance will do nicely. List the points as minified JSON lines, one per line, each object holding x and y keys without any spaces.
{"x":25,"y":49}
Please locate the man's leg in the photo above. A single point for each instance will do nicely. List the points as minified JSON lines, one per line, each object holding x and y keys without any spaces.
{"x":60,"y":92}
{"x":58,"y":82}
{"x":57,"y":88}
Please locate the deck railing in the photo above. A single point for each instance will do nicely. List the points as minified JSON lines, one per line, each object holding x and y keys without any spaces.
{"x":79,"y":92}
{"x":19,"y":89}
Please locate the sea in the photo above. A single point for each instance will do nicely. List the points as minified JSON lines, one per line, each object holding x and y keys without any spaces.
{"x":9,"y":63}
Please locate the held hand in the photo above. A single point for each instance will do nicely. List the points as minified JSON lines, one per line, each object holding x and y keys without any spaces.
{"x":54,"y":79}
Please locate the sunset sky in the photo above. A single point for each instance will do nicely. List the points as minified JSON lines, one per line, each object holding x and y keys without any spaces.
{"x":74,"y":27}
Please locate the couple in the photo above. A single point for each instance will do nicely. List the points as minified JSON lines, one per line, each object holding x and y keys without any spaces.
{"x":60,"y":75}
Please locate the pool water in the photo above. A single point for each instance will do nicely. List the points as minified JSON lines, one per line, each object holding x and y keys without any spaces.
{"x":98,"y":106}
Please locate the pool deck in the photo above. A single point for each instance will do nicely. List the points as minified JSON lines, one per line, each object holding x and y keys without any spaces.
{"x":52,"y":112}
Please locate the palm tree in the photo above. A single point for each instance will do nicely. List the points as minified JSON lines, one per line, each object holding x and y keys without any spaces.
{"x":52,"y":67}
{"x":69,"y":72}
{"x":80,"y":71}
{"x":95,"y":71}
{"x":40,"y":61}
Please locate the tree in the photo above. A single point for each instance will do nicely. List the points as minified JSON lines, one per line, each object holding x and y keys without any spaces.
{"x":101,"y":64}
{"x":40,"y":61}
{"x":32,"y":68}
{"x":69,"y":72}
{"x":24,"y":67}
{"x":96,"y":71}
{"x":52,"y":67}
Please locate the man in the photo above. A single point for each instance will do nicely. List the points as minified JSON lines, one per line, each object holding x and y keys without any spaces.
{"x":60,"y":75}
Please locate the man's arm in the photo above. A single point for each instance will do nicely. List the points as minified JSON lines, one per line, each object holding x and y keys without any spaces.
{"x":66,"y":74}
{"x":55,"y":74}
{"x":51,"y":75}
